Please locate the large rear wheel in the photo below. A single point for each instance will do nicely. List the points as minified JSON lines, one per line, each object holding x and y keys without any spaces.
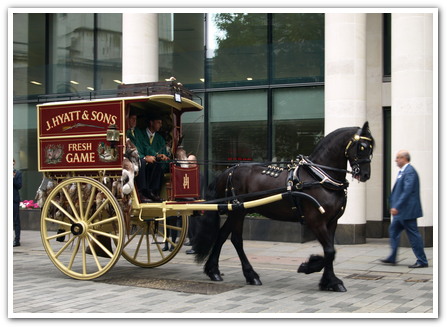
{"x":82,"y":228}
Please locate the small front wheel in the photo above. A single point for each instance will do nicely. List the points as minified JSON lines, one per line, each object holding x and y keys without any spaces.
{"x":144,"y":246}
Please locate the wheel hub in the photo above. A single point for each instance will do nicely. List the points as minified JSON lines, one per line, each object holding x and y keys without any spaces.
{"x":78,"y":229}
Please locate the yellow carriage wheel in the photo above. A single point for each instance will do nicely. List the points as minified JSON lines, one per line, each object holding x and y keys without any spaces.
{"x":82,"y":228}
{"x":145,"y":246}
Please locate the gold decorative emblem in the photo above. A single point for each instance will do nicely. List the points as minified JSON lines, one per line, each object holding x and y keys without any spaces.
{"x":186,"y":181}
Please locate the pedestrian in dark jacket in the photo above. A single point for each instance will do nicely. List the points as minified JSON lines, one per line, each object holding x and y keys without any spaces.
{"x":17,"y":174}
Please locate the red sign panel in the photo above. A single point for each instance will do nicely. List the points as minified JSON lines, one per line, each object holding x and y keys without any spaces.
{"x":90,"y":153}
{"x":79,"y":118}
{"x":72,"y":136}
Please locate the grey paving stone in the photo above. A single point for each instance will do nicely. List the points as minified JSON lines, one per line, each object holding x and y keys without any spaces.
{"x":39,"y":287}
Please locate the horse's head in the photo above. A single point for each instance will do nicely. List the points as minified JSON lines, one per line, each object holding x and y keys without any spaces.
{"x":359,"y":153}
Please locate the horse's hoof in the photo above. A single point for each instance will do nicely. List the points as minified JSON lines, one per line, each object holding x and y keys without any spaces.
{"x":215,"y":277}
{"x":255,"y":282}
{"x":334,"y":288}
{"x":315,"y":264}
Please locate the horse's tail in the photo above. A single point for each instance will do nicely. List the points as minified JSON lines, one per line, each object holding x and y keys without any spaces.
{"x":207,"y":229}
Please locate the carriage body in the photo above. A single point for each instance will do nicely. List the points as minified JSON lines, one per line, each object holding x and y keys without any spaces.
{"x":87,"y":221}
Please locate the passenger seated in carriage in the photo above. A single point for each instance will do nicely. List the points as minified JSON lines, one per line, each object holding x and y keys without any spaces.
{"x":152,"y":151}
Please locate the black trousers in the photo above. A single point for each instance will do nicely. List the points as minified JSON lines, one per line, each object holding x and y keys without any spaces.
{"x":16,"y":221}
{"x":150,"y":178}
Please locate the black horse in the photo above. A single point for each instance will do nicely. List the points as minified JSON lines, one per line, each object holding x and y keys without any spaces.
{"x":319,"y":178}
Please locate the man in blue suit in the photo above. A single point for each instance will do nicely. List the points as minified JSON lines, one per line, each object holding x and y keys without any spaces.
{"x":406,"y":207}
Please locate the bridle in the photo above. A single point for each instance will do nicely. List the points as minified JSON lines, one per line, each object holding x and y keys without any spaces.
{"x":363,"y":152}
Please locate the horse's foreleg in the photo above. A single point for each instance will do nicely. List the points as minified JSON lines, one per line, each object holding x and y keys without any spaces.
{"x":251,"y":276}
{"x":328,"y":282}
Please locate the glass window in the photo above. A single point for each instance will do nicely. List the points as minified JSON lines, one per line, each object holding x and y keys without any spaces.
{"x":28,"y":54}
{"x":238,"y":126}
{"x":298,"y":121}
{"x":237,"y":49}
{"x":109,"y":51}
{"x":193,"y":132}
{"x":181,"y":41}
{"x":72,"y":52}
{"x":298,"y":48}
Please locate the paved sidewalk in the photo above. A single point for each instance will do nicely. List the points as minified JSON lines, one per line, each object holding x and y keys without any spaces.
{"x":41,"y":290}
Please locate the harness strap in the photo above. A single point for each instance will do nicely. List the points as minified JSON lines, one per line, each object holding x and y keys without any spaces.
{"x":322,"y":178}
{"x":229,"y":185}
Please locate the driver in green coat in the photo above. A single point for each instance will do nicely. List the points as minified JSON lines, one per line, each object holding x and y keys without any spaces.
{"x":152,"y":150}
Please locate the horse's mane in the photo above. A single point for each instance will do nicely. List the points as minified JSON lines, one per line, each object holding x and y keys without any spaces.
{"x":324,"y":146}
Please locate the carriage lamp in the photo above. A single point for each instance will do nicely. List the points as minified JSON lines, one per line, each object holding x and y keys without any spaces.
{"x":113,"y":135}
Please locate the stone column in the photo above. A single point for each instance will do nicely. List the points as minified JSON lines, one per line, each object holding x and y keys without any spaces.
{"x":412,"y":102}
{"x":140,"y":48}
{"x":345,"y":103}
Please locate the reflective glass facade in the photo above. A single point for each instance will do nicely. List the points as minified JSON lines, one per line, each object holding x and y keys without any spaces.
{"x":260,"y":77}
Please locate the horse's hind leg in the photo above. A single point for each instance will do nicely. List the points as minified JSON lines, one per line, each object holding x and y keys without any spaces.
{"x":211,"y":268}
{"x":251,"y":276}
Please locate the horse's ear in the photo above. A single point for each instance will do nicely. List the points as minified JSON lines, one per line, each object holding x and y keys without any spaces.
{"x":365,"y":128}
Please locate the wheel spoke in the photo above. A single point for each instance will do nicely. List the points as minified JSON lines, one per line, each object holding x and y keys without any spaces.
{"x":131,"y":237}
{"x":84,"y":258}
{"x":90,"y":201}
{"x":64,"y":247}
{"x":148,"y":247}
{"x":70,"y":201}
{"x":137,"y":250}
{"x":74,"y":253}
{"x":95,"y":231}
{"x":98,"y":210}
{"x":154,"y":237}
{"x":57,"y":235}
{"x":105,"y":221}
{"x":95,"y":256}
{"x":174,"y":227}
{"x":81,"y":203}
{"x":59,"y":222}
{"x":100,"y":245}
{"x":63,"y":210}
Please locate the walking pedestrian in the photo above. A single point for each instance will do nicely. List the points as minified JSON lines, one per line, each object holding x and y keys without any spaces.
{"x":17,"y":175}
{"x":405,"y":204}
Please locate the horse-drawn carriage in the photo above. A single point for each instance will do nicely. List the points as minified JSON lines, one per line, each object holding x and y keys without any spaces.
{"x":92,"y":213}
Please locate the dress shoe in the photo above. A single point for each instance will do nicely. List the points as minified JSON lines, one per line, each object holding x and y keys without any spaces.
{"x":155,"y":197}
{"x":16,"y":243}
{"x":387,"y":261}
{"x":190,"y":251}
{"x":144,"y":199}
{"x":418,"y":265}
